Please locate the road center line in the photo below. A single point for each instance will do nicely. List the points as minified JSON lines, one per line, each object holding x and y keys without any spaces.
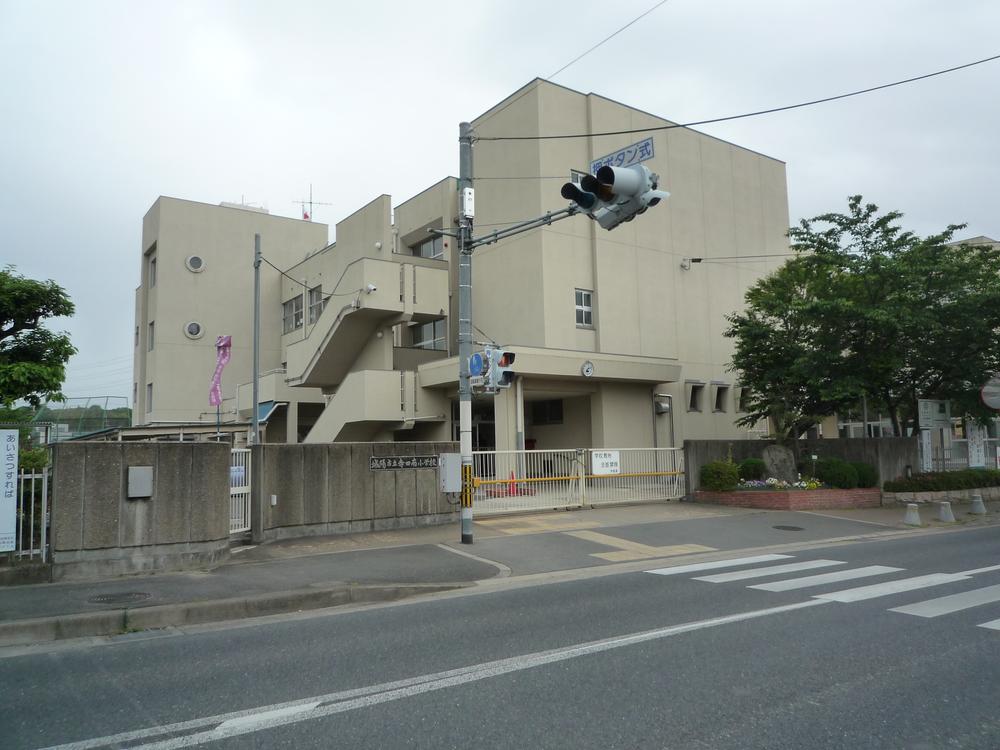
{"x":268,"y":717}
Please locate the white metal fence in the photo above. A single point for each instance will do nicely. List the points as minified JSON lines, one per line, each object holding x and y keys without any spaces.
{"x":239,"y":491}
{"x":32,"y":531}
{"x":511,"y":481}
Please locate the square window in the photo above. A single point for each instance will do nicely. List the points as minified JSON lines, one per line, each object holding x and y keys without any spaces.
{"x":584,"y":308}
{"x":695,"y":393}
{"x":721,"y":396}
{"x":316,"y":303}
{"x":431,"y":335}
{"x":291,"y":315}
{"x":743,"y":403}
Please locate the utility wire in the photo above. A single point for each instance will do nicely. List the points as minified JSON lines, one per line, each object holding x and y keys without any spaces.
{"x":574,"y":60}
{"x":607,"y":38}
{"x":299,"y":281}
{"x":742,"y":116}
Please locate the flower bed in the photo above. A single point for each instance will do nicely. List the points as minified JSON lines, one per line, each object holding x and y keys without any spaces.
{"x":794,"y":499}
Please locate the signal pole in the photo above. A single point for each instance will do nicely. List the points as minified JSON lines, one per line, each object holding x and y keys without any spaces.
{"x":466,"y":215}
{"x":611,"y":197}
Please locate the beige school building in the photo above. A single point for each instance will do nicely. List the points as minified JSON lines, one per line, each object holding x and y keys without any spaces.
{"x":618,"y":335}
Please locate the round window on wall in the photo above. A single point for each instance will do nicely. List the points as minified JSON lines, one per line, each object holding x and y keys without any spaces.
{"x":195,"y":264}
{"x":193,"y":330}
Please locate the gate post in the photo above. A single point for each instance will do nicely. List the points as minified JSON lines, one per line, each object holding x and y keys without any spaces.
{"x":257,"y":493}
{"x":581,"y":470}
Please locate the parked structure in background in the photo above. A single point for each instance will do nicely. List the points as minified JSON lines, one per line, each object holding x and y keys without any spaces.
{"x":618,"y":335}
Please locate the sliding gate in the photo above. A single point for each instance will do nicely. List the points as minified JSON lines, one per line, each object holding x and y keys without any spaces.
{"x":511,"y":481}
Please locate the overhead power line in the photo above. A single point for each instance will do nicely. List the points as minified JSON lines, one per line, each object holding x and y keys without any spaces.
{"x":606,"y":39}
{"x":741,"y":116}
{"x":299,"y":281}
{"x":575,"y":60}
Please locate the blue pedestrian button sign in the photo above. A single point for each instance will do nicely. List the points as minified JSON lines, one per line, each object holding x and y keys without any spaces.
{"x":476,"y":364}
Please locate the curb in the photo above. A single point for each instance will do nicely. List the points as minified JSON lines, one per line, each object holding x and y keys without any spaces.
{"x":119,"y":621}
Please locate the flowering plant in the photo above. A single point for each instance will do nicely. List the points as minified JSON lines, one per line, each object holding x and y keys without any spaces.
{"x":780,"y":484}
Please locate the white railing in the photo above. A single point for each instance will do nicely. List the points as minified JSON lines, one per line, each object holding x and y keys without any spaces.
{"x":239,"y":491}
{"x":32,"y":515}
{"x":512,"y":481}
{"x":642,"y":474}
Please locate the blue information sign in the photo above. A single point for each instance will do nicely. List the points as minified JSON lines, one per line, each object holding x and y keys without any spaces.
{"x":476,"y":364}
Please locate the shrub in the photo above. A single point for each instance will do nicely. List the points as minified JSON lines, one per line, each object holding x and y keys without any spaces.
{"x":836,"y":473}
{"x":867,"y":474}
{"x":937,"y":481}
{"x":752,"y":468}
{"x":719,"y":476}
{"x":33,"y":459}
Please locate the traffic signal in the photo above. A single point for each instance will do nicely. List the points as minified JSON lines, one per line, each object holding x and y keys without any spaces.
{"x":615,"y":194}
{"x":503,"y":376}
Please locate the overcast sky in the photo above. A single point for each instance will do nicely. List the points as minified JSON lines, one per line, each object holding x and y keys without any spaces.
{"x":106,"y":105}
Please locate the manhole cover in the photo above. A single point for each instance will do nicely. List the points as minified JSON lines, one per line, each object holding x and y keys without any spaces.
{"x":788,"y":528}
{"x":126,"y":597}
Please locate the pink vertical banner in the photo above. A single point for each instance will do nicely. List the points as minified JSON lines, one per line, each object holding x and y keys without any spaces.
{"x":223,"y":345}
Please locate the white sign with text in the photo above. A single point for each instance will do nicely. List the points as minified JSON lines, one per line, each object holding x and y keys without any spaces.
{"x":8,"y":493}
{"x":605,"y":463}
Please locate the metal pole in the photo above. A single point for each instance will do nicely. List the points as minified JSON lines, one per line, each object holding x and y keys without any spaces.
{"x":255,"y":423}
{"x":465,"y":325}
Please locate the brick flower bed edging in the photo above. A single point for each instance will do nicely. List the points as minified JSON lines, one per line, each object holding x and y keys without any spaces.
{"x":794,"y":499}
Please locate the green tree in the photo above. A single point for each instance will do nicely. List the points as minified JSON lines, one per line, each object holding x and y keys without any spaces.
{"x":786,"y":355}
{"x":879,"y":312}
{"x":32,"y":358}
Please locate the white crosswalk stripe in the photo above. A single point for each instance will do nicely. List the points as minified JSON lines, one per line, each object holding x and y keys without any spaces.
{"x":695,"y":567}
{"x":942,"y":605}
{"x":945,"y":605}
{"x":877,"y":590}
{"x":823,"y":578}
{"x":773,"y":570}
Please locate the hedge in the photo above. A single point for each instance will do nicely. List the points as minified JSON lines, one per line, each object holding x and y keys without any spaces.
{"x":836,"y":473}
{"x":867,"y":474}
{"x":719,"y":476}
{"x":937,"y":481}
{"x":752,"y":468}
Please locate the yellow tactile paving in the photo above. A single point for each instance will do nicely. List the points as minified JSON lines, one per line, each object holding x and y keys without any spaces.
{"x":626,"y":550}
{"x":538,"y":525}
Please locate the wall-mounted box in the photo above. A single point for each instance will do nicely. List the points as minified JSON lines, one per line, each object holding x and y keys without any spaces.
{"x":450,"y":472}
{"x":140,"y":482}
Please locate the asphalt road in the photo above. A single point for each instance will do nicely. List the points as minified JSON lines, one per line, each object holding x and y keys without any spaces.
{"x":629,"y":660}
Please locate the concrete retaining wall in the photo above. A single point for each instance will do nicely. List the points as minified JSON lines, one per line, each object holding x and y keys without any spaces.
{"x":319,"y":489}
{"x":98,"y":531}
{"x":890,"y":456}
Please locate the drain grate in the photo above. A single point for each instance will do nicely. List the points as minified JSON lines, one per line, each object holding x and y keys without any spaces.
{"x":788,"y":528}
{"x":126,"y":597}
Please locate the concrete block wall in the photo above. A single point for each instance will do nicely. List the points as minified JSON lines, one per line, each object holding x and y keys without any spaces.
{"x":320,"y":489}
{"x":890,"y":456}
{"x":98,"y":531}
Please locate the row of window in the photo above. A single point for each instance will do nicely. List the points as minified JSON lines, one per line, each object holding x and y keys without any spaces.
{"x":292,"y":310}
{"x":696,"y":397}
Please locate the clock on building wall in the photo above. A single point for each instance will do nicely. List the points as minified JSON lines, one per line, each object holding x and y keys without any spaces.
{"x":587,"y":369}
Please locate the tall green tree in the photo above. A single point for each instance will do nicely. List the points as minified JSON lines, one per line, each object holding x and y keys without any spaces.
{"x":883,"y":314}
{"x":32,"y":358}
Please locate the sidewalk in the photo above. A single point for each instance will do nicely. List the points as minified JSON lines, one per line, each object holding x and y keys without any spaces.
{"x":312,"y":573}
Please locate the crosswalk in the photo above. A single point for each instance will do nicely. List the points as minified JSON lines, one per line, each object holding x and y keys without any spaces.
{"x":795,"y":575}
